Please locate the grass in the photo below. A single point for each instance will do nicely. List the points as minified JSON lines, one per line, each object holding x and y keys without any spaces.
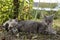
{"x":50,"y":5}
{"x":57,"y":22}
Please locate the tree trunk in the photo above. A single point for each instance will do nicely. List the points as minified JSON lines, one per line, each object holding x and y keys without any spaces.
{"x":16,"y":8}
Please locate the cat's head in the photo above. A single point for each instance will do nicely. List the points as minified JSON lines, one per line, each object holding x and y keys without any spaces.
{"x":49,"y":19}
{"x":10,"y":23}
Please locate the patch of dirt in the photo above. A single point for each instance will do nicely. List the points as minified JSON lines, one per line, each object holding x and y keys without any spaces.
{"x":23,"y":36}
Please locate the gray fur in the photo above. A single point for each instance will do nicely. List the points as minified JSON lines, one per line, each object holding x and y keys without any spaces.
{"x":44,"y":27}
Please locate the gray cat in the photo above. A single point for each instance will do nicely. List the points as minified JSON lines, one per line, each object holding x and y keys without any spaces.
{"x":43,"y":27}
{"x":49,"y":21}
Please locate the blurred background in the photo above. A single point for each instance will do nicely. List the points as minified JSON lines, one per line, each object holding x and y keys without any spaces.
{"x":30,"y":10}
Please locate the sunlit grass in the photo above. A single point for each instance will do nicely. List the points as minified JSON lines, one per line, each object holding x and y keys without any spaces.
{"x":57,"y":22}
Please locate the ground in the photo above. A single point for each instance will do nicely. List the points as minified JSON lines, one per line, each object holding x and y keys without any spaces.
{"x":24,"y":36}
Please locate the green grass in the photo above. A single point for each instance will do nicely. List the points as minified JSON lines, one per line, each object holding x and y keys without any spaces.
{"x":50,"y":5}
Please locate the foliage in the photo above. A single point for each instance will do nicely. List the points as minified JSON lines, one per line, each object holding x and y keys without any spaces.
{"x":25,"y":9}
{"x":6,"y":10}
{"x":41,"y":13}
{"x":57,"y":14}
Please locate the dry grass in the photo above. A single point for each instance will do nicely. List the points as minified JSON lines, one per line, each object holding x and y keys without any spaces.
{"x":25,"y":36}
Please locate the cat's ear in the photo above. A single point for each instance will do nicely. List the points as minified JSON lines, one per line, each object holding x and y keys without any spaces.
{"x":52,"y":15}
{"x":45,"y":16}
